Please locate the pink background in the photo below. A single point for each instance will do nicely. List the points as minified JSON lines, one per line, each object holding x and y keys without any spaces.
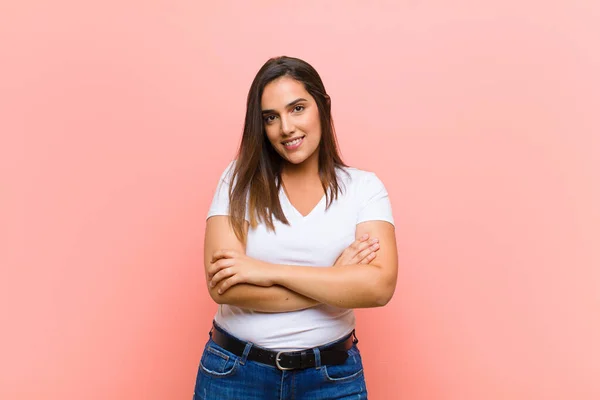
{"x":480,"y":117}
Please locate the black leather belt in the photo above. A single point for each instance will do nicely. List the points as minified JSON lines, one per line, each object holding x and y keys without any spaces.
{"x":334,"y":354}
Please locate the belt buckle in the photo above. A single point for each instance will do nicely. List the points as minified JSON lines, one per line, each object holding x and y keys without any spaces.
{"x":277,"y":359}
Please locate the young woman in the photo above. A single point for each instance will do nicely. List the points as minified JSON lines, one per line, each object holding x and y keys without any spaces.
{"x":295,"y":240}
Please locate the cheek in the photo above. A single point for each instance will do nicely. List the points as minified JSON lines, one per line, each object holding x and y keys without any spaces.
{"x":272,"y":138}
{"x":315,"y":131}
{"x":314,"y":124}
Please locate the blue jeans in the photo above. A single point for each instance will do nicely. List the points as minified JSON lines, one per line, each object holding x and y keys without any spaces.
{"x":223,"y":375}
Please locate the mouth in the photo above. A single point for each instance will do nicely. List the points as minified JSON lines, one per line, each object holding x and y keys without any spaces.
{"x":293,"y":143}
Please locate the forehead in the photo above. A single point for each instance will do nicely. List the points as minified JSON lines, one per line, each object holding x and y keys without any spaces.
{"x":282,"y":91}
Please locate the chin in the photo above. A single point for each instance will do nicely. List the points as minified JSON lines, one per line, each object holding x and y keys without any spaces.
{"x":295,"y":160}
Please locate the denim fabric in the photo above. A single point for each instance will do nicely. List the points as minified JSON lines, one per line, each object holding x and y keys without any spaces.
{"x":224,"y":376}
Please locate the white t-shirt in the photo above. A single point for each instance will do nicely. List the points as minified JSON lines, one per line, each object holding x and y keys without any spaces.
{"x":313,"y":240}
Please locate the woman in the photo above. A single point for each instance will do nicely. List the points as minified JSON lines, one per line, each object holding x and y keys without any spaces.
{"x":284,"y":210}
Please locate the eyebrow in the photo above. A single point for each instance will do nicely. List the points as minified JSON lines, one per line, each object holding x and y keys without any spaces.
{"x":288,"y":105}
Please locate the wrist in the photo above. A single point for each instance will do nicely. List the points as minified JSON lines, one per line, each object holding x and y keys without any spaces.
{"x":276,"y":273}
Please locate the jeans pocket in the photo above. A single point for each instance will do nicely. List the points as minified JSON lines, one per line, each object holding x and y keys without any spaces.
{"x":216,"y":362}
{"x":351,"y":369}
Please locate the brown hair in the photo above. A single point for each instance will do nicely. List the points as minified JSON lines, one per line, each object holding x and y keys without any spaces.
{"x":257,"y":173}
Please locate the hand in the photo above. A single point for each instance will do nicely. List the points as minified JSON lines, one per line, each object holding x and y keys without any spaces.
{"x":361,"y":251}
{"x":229,"y":267}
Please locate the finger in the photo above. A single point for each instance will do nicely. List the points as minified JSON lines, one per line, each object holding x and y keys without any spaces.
{"x":366,"y":244}
{"x":363,"y":237}
{"x":219,"y":265}
{"x":364,"y":253}
{"x":222,"y":274}
{"x":223,"y":253}
{"x":228,"y":283}
{"x":356,"y":257}
{"x":358,"y":241}
{"x":368,"y":258}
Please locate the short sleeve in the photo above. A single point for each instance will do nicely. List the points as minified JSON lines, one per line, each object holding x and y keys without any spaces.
{"x":220,"y":201}
{"x":375,"y":204}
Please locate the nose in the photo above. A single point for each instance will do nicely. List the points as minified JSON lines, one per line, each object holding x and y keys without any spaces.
{"x":287,"y":126}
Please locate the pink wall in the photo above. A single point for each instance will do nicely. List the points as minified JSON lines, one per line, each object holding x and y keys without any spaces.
{"x":482,"y":120}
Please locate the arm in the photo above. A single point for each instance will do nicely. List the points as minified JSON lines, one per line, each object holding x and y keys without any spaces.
{"x":350,"y":286}
{"x":265,"y":299}
{"x":347,"y":286}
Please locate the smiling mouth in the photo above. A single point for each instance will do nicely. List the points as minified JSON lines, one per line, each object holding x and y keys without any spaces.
{"x":293,"y":142}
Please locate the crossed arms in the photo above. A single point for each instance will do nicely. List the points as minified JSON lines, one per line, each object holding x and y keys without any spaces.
{"x":357,"y":280}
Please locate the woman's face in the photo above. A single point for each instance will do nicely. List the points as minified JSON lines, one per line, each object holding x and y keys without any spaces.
{"x":291,"y":120}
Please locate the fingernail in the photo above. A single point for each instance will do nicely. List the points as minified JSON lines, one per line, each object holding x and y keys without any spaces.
{"x":220,"y":291}
{"x":212,"y":284}
{"x":375,"y":246}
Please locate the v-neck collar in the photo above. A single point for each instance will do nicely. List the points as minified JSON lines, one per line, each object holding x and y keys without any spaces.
{"x":297,"y":213}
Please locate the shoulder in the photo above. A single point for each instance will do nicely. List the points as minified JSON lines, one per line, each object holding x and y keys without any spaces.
{"x":364,"y":187}
{"x":227,"y":173}
{"x":371,"y":196}
{"x":359,"y":177}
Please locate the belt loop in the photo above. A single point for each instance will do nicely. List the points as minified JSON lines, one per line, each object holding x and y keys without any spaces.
{"x":317,"y":357}
{"x":246,"y":352}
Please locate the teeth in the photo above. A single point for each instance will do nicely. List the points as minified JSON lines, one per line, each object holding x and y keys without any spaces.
{"x":293,"y":142}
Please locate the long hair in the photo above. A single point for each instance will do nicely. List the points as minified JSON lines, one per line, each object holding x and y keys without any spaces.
{"x":256,"y":178}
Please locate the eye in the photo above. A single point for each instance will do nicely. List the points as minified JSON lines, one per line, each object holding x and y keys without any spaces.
{"x":269,"y":118}
{"x":298,"y":108}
